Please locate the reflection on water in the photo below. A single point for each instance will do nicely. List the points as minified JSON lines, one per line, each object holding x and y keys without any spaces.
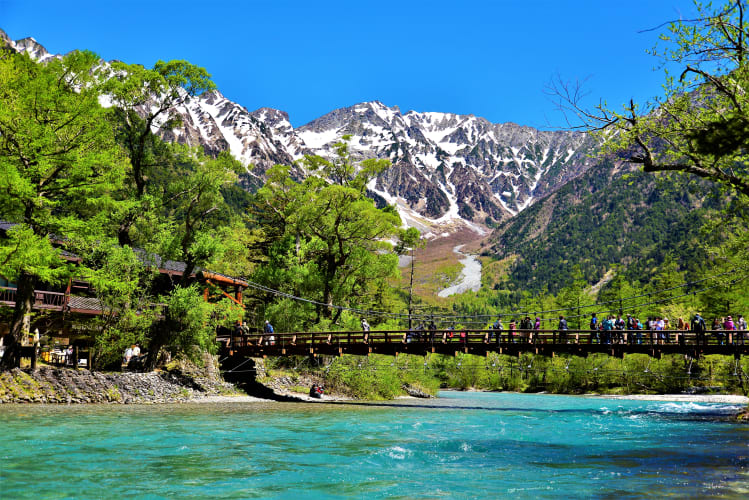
{"x":461,"y":445}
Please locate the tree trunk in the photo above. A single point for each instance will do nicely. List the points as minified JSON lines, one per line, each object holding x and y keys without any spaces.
{"x":158,"y":341}
{"x":21,"y":322}
{"x":327,"y":298}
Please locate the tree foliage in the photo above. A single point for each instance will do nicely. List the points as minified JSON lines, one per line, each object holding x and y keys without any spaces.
{"x":325,"y":239}
{"x":59,"y":164}
{"x":698,"y":126}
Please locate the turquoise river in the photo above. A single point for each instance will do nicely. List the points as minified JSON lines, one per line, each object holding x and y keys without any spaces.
{"x":461,"y":445}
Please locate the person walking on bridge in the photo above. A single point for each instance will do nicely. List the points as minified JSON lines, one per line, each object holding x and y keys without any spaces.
{"x":631,"y":326}
{"x":268,"y":329}
{"x":699,"y":327}
{"x":365,"y":330}
{"x":594,"y":328}
{"x":511,"y":334}
{"x":497,"y":328}
{"x":562,"y":327}
{"x":607,"y":329}
{"x":729,"y":326}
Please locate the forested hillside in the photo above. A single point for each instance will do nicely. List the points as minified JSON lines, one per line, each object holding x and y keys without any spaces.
{"x":612,"y":215}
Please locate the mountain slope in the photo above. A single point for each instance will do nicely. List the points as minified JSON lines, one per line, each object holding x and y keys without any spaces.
{"x":613,"y":214}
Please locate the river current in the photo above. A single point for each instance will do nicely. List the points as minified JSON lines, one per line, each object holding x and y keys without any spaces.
{"x":462,"y":445}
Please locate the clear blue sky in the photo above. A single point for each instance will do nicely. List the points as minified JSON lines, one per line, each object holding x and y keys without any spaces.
{"x":487,"y":58}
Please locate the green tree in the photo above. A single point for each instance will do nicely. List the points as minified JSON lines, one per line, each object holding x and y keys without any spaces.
{"x":194,"y":207}
{"x":58,"y":165}
{"x":699,"y":125}
{"x":326,"y":239}
{"x":122,"y":285}
{"x":572,"y":296}
{"x":189,"y":323}
{"x":144,"y":105}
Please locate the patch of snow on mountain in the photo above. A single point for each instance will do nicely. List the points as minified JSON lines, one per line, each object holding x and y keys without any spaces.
{"x":316,"y":140}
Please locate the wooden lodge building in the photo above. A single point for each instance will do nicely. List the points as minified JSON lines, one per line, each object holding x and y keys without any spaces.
{"x":63,"y":312}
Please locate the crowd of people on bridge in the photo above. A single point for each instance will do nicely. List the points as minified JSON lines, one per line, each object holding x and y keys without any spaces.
{"x":611,"y":329}
{"x":614,"y":329}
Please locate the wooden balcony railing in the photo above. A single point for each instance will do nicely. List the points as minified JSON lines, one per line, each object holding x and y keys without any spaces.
{"x":43,"y":299}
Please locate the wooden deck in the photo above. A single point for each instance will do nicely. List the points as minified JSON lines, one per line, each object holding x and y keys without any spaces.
{"x":479,"y":342}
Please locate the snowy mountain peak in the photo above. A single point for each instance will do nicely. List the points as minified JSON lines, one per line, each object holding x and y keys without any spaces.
{"x":33,"y":48}
{"x":448,"y":170}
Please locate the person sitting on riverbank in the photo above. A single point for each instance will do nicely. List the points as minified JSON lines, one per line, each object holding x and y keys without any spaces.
{"x":316,"y":391}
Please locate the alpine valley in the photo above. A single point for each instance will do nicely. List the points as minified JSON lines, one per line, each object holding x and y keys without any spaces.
{"x":453,"y":177}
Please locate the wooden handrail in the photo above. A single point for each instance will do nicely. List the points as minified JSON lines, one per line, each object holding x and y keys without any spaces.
{"x":547,"y":337}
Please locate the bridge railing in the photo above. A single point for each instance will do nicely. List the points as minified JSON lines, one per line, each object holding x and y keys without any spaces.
{"x":506,"y":338}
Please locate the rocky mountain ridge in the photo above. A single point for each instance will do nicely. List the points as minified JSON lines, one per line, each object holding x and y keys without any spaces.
{"x":449,"y":170}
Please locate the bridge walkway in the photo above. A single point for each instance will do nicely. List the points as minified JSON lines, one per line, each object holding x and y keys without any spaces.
{"x":482,"y":342}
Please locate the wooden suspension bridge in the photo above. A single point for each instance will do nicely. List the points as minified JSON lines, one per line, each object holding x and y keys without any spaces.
{"x":482,"y":342}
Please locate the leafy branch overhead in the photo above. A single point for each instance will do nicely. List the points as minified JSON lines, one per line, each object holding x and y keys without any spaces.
{"x":699,"y":125}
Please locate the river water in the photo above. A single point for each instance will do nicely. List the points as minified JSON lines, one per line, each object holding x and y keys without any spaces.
{"x":462,"y":445}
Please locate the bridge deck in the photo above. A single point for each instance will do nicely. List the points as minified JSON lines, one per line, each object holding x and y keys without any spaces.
{"x":481,"y":342}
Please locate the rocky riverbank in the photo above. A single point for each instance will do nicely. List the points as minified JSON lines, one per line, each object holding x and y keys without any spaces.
{"x":66,"y":386}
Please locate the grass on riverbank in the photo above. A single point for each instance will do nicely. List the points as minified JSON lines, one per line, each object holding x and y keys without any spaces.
{"x":379,"y":377}
{"x":375,"y":377}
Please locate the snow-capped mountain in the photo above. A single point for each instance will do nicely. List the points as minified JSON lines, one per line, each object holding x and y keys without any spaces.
{"x":29,"y":46}
{"x":447,"y":166}
{"x":448,"y":169}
